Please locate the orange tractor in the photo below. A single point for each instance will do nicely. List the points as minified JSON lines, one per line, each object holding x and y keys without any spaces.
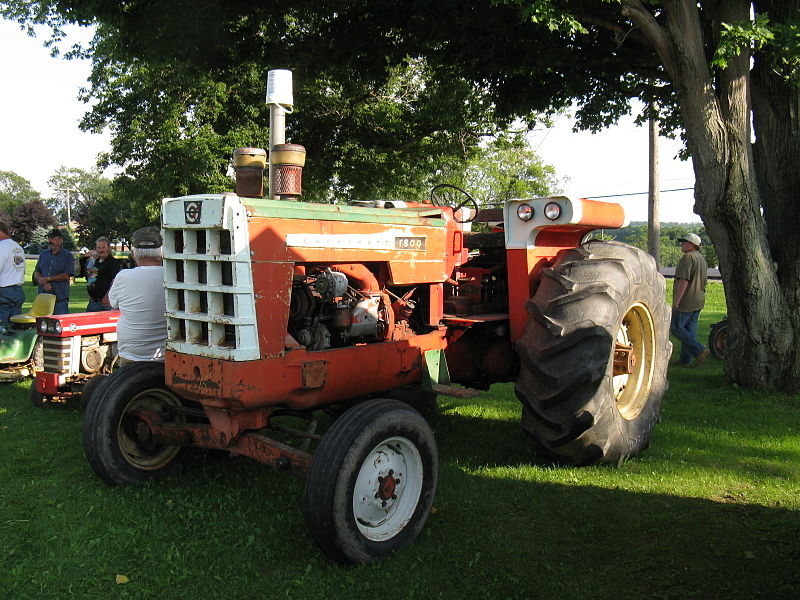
{"x":278,"y":308}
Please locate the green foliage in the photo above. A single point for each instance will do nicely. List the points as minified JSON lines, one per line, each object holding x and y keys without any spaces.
{"x":15,"y":191}
{"x":504,"y":167}
{"x":38,"y":239}
{"x":84,"y":188}
{"x":777,"y":42}
{"x":635,"y":234}
{"x":736,"y":37}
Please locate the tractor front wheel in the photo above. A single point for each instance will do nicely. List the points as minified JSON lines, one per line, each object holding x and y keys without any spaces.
{"x":372,"y":481}
{"x":38,"y":399}
{"x":717,"y":337}
{"x":116,"y":440}
{"x":594,"y":355}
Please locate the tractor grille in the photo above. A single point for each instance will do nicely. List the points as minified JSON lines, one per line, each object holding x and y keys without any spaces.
{"x":60,"y":356}
{"x":209,"y":286}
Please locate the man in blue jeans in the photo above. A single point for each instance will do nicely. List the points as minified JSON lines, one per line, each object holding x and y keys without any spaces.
{"x":688,"y":299}
{"x":53,"y":271}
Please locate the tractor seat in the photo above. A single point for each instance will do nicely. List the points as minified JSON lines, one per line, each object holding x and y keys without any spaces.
{"x":42,"y":306}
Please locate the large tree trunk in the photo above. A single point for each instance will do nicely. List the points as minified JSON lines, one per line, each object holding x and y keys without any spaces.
{"x":716,"y":113}
{"x":776,"y":153}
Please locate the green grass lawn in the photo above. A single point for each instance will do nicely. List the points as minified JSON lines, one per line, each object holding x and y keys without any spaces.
{"x":711,"y":510}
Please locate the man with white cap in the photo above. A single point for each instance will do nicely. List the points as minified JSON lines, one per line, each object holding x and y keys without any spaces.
{"x":688,"y":299}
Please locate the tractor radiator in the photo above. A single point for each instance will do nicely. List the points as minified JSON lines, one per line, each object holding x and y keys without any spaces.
{"x":208,"y":278}
{"x":61,"y":354}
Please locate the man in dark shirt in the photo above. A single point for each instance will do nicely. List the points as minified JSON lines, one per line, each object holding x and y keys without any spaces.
{"x":53,"y":271}
{"x":100,"y":276}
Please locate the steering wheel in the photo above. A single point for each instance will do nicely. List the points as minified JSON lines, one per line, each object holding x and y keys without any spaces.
{"x":440,"y":197}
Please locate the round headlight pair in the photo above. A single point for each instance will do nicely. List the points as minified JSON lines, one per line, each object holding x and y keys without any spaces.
{"x":49,"y":326}
{"x":552,"y":210}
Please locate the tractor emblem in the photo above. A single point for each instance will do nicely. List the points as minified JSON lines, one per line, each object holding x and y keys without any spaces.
{"x":191,"y":211}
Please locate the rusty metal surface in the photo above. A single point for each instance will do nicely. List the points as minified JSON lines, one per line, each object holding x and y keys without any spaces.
{"x":153,"y":431}
{"x":315,"y":374}
{"x":624,"y":359}
{"x":351,"y":372}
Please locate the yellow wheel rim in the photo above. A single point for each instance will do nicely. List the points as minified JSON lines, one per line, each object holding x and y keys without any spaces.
{"x":634,"y":351}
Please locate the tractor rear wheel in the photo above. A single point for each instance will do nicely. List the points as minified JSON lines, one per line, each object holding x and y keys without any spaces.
{"x":372,"y":481}
{"x":115,"y":439}
{"x":717,"y":337}
{"x":594,"y":355}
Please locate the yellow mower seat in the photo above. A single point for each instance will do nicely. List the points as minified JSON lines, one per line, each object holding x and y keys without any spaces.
{"x":42,"y":306}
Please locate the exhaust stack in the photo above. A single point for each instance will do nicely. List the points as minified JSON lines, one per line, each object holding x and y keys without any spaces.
{"x":286,"y":161}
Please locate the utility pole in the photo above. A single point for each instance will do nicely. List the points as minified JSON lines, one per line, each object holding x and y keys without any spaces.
{"x":653,"y":217}
{"x":69,"y":213}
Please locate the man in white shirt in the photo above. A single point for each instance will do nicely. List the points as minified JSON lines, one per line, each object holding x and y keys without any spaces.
{"x":12,"y":274}
{"x":139,"y":295}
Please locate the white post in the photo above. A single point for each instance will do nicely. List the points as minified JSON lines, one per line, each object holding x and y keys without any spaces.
{"x":69,"y":208}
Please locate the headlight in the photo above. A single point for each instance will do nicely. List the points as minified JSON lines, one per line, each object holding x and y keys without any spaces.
{"x":49,"y":326}
{"x":552,"y":210}
{"x":525,"y":212}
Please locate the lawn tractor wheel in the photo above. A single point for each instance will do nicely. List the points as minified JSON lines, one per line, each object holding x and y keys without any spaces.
{"x":372,"y":481}
{"x":594,"y":355}
{"x":37,"y":397}
{"x":37,"y":356}
{"x":115,"y":439}
{"x":717,"y":338}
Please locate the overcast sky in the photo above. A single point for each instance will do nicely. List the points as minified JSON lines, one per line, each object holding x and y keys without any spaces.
{"x":40,"y":112}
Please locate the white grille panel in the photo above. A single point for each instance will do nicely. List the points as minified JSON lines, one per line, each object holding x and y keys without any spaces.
{"x":208,"y":278}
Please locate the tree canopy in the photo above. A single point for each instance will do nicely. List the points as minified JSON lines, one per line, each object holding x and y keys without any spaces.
{"x":401,"y":84}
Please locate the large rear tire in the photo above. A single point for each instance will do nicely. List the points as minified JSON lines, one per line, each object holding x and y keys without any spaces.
{"x":584,"y":399}
{"x":372,"y":482}
{"x":717,"y":338}
{"x":112,"y":439}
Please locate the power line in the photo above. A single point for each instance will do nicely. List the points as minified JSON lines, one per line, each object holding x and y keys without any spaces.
{"x":642,"y":193}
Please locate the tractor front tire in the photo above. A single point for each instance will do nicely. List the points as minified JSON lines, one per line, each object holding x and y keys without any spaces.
{"x":90,"y":388}
{"x":594,"y":355}
{"x":111,"y":439}
{"x":717,"y":338}
{"x":372,"y":481}
{"x":38,"y":399}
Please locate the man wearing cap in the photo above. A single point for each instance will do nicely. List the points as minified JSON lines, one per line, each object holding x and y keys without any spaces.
{"x":139,"y":295}
{"x":688,"y":299}
{"x":53,"y":271}
{"x":12,"y":274}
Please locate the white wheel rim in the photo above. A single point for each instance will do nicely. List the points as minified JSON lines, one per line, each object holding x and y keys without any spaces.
{"x":387,"y":489}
